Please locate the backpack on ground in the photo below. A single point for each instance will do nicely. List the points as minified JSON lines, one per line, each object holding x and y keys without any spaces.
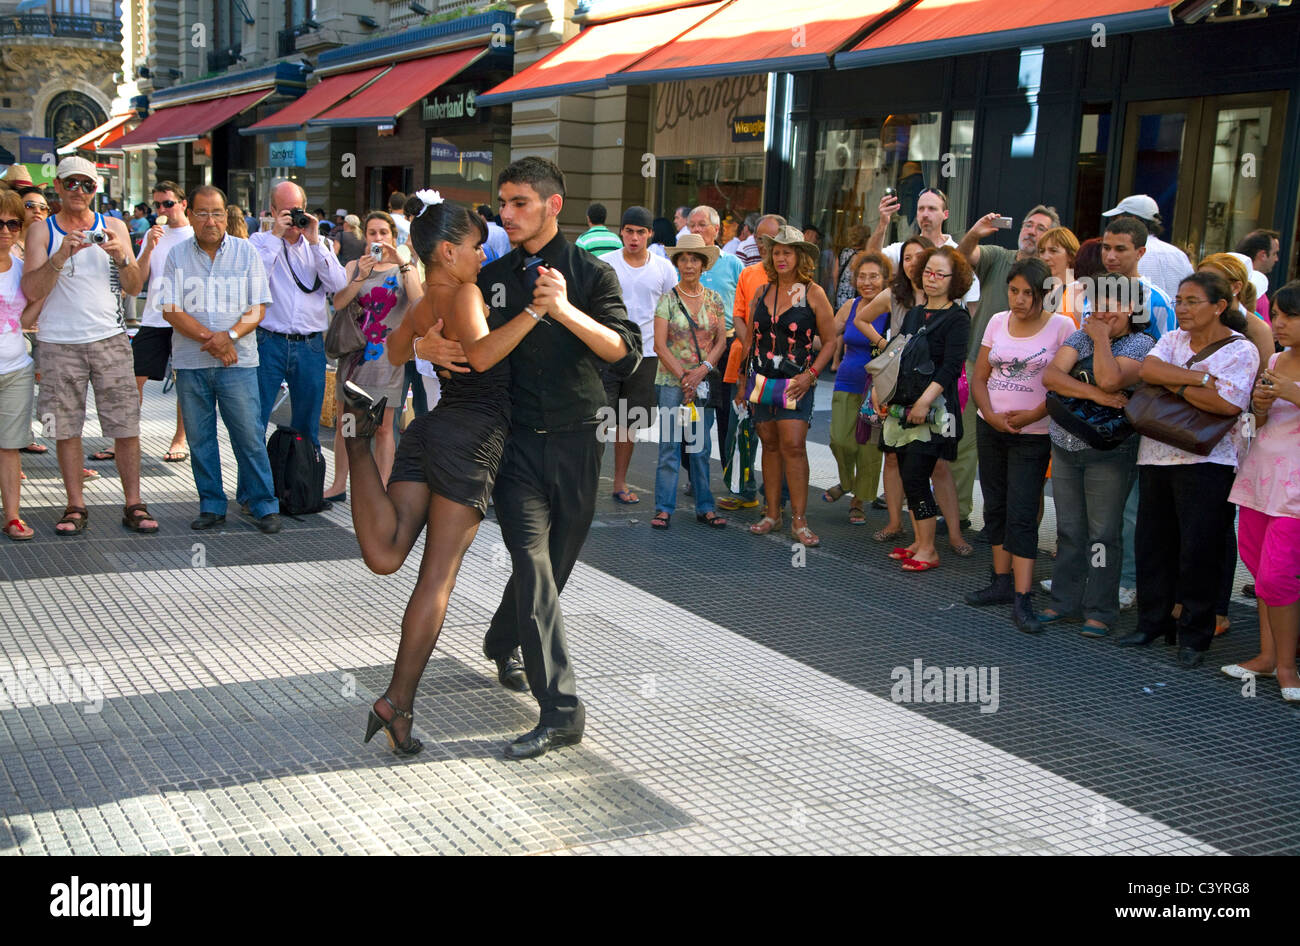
{"x":298,"y":472}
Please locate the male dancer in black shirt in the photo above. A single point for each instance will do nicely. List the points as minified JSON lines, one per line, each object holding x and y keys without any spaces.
{"x":545,"y":494}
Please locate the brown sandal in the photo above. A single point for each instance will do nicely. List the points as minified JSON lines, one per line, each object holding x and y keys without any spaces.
{"x":135,"y":514}
{"x":78,"y":524}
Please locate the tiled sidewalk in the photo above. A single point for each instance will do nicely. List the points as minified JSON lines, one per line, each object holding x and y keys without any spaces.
{"x":735,"y":703}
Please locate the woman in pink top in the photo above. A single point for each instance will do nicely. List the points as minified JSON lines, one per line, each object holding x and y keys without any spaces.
{"x":1012,"y":434}
{"x":1267,"y":489}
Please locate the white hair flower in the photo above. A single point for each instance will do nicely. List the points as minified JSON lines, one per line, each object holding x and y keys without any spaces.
{"x":430,"y":198}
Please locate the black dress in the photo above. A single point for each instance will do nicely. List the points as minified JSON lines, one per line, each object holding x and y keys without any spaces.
{"x":456,"y":448}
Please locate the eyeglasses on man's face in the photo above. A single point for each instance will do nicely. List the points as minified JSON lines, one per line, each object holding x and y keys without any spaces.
{"x":206,"y":215}
{"x":74,"y":184}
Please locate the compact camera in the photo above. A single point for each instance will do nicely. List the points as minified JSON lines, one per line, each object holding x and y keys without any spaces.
{"x":376,"y":251}
{"x":298,"y":218}
{"x":98,"y":237}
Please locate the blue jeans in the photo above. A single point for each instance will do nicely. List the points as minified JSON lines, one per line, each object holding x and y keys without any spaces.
{"x":1088,"y":488}
{"x":698,"y":449}
{"x":302,"y":364}
{"x":234,"y":390}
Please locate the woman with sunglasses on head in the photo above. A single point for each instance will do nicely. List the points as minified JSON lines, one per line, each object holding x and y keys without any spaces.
{"x":945,"y":278}
{"x":35,"y":209}
{"x":17,"y":371}
{"x":384,"y":289}
{"x":859,"y":463}
{"x":1267,"y":489}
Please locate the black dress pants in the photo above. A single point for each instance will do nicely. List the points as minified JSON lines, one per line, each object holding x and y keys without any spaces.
{"x":545,"y":497}
{"x":1183,"y":514}
{"x":1013,"y":470}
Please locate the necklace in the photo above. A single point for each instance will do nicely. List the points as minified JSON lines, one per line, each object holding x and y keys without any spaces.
{"x":690,"y":295}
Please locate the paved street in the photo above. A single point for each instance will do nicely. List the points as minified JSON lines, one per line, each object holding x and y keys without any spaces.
{"x":739,"y":699}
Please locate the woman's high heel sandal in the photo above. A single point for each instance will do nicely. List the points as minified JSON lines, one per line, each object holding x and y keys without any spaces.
{"x":409,"y":745}
{"x":367,"y":416}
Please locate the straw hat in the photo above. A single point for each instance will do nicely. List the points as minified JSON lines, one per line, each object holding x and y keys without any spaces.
{"x":694,"y":243}
{"x":16,"y":176}
{"x":790,"y":236}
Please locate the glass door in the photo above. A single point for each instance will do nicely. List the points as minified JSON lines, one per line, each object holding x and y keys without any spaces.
{"x":1210,"y":163}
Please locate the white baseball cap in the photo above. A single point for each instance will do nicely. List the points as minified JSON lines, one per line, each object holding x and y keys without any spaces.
{"x":73,"y":165}
{"x":1139,"y":205}
{"x":1257,"y":279}
{"x":340,"y":212}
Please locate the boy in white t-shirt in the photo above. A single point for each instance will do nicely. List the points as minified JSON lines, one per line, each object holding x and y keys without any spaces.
{"x":644,"y":278}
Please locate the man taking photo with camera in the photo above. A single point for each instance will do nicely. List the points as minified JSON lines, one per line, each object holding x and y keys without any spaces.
{"x":301,"y":269}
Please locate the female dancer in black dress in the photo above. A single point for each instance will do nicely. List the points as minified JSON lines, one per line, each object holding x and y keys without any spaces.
{"x":447,"y":460}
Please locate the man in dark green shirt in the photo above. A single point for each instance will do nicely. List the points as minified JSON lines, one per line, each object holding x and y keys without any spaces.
{"x":598,"y":239}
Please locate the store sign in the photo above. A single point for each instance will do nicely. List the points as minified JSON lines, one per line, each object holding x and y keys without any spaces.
{"x":288,"y":154}
{"x":33,"y":150}
{"x":452,"y":103}
{"x":441,"y":151}
{"x":201,"y":152}
{"x":748,"y":128}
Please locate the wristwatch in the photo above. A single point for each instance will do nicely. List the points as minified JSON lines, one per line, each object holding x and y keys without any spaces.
{"x":708,"y":365}
{"x":234,"y":336}
{"x":1205,"y":379}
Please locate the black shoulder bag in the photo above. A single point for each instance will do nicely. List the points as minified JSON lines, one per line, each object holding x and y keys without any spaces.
{"x":1099,"y":426}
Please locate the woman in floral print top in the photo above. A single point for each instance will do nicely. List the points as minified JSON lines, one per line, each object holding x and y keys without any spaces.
{"x":384,"y":290}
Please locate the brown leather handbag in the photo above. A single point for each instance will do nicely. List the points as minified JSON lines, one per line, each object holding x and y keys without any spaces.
{"x":1160,"y":414}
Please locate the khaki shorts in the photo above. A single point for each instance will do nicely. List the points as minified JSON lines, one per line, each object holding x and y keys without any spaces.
{"x":108,"y":366}
{"x":16,"y":390}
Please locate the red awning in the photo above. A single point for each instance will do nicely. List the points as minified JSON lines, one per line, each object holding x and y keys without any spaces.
{"x":755,"y":36}
{"x":583,"y":63}
{"x":105,"y":134}
{"x":324,"y":95}
{"x":187,"y":122}
{"x":934,"y":29}
{"x":385,"y":99}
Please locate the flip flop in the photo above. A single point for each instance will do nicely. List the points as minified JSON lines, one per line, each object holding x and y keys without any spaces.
{"x":964,"y":551}
{"x":912,"y":565}
{"x":175,"y":456}
{"x":833,"y":494}
{"x":34,"y":448}
{"x":901,"y":554}
{"x":89,"y":474}
{"x":102,"y":456}
{"x":622,"y":497}
{"x":22,"y":536}
{"x":661,"y":520}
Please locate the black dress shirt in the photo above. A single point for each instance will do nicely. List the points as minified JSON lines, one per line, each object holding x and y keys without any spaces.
{"x":554,"y":377}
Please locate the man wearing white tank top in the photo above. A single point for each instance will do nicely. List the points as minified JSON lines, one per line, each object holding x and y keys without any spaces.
{"x":82,"y":339}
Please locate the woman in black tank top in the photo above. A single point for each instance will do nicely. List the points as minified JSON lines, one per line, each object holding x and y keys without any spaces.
{"x":791,"y":315}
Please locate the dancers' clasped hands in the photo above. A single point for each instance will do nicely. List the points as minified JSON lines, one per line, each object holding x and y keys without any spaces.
{"x":550,"y":299}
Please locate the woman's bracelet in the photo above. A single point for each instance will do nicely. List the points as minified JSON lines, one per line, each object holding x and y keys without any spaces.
{"x":415,"y":343}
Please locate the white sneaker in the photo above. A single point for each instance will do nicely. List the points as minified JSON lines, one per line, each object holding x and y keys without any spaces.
{"x":1045,"y":584}
{"x":1127,"y":598}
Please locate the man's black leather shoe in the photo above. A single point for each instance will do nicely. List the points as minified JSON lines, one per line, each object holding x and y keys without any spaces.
{"x":542,"y":740}
{"x":1190,"y":657}
{"x":269,"y":524}
{"x":1135,"y":639}
{"x":510,"y":671}
{"x":207,"y":520}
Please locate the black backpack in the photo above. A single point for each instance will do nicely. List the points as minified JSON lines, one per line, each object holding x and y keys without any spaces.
{"x":915,"y":367}
{"x":298,"y":472}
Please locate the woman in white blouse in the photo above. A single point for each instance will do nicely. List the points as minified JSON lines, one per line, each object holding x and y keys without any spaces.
{"x":1183,"y":508}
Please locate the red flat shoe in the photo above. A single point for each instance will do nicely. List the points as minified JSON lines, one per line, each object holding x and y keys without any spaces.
{"x":913,"y":565}
{"x":901,"y":555}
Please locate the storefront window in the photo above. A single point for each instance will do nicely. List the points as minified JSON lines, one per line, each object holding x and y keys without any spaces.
{"x":1090,"y":173}
{"x":857,"y":159}
{"x":460,"y":168}
{"x":729,"y":185}
{"x":1241,"y":135}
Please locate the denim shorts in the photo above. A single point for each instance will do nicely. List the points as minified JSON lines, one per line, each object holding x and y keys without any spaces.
{"x":803,"y":409}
